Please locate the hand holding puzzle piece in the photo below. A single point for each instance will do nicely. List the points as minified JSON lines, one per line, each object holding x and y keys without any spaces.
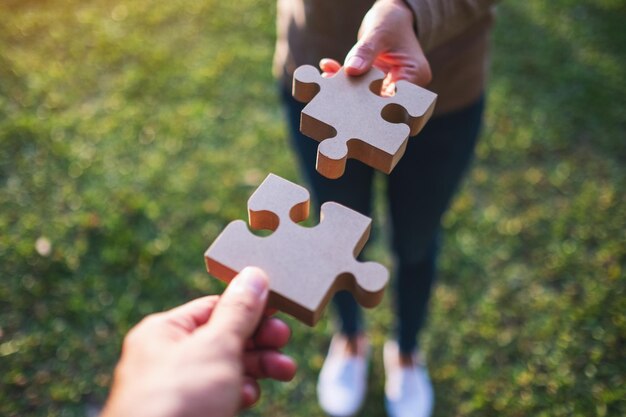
{"x":351,"y":120}
{"x":306,"y":265}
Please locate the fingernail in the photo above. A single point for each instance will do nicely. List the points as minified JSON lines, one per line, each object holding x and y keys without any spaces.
{"x":355,"y":62}
{"x":253,"y":280}
{"x":250,"y":393}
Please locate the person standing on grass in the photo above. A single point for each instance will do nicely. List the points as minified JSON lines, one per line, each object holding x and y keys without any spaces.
{"x":441,"y":45}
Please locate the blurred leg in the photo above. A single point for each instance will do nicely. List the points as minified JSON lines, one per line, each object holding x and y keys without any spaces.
{"x":353,"y":189}
{"x":420,"y":189}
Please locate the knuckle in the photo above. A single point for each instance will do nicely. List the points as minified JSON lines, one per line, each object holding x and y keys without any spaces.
{"x":366,"y":48}
{"x":426,"y":74}
{"x":150,"y":321}
{"x":245,"y":306}
{"x":131,"y":340}
{"x":420,"y":73}
{"x":137,"y":334}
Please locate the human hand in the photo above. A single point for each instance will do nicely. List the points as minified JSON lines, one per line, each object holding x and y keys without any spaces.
{"x":202,"y":358}
{"x":387,"y":41}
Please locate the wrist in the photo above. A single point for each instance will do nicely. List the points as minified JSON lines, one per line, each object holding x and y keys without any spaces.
{"x":403,"y":5}
{"x":406,"y":9}
{"x":130,"y":402}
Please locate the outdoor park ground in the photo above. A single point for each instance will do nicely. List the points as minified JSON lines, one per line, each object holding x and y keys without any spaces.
{"x":131,"y":133}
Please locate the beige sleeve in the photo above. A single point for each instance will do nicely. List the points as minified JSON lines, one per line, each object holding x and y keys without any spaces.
{"x":440,"y":20}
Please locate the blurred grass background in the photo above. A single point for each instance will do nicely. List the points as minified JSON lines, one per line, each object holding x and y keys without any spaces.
{"x":132,"y":132}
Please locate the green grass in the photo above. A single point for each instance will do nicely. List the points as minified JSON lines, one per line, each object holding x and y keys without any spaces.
{"x":131,"y":133}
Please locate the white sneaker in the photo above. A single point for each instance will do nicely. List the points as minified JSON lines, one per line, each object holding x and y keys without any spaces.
{"x":342,"y":383}
{"x":408,"y":391}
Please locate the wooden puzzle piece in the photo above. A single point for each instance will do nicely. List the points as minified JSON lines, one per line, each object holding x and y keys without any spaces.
{"x":306,"y":265}
{"x":351,"y":120}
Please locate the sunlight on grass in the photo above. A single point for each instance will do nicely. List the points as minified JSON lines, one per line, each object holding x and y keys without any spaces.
{"x":133,"y":132}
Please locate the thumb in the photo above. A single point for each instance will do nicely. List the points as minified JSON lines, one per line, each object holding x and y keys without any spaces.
{"x":239,"y":310}
{"x":363,"y":54}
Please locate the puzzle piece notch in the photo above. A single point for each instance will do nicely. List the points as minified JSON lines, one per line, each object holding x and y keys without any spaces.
{"x":351,"y":121}
{"x":275,"y":199}
{"x":306,"y":266}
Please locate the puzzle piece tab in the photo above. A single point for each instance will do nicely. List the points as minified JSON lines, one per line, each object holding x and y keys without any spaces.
{"x":306,"y":265}
{"x":351,"y":121}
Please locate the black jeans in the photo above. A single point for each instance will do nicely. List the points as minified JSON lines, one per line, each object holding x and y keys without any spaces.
{"x":418,"y":192}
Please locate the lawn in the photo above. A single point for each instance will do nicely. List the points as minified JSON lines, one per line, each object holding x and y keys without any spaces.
{"x":131,"y":133}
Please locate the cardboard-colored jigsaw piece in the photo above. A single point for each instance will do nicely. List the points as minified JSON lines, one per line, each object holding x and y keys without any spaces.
{"x":351,"y":120}
{"x":306,"y":265}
